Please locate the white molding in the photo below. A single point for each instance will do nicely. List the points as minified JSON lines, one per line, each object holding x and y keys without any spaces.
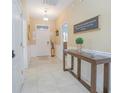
{"x":42,"y":25}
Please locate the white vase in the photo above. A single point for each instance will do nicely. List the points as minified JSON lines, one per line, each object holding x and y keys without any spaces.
{"x":79,"y":47}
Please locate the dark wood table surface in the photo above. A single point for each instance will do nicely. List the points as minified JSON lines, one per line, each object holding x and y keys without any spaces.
{"x":94,"y":58}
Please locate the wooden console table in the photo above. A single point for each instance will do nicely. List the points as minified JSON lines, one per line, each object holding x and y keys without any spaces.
{"x":94,"y":59}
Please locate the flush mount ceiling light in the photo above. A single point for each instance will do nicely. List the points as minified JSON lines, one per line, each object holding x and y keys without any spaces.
{"x":45,"y":18}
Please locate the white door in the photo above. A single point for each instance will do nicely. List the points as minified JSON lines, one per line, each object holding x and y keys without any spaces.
{"x":17,"y":39}
{"x":25,"y":51}
{"x":43,"y":42}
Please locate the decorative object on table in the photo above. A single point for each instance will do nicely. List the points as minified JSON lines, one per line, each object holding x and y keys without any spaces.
{"x":90,"y":24}
{"x":57,"y":33}
{"x":52,"y":49}
{"x":79,"y":41}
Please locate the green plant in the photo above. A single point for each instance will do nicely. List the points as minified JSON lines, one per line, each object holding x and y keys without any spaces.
{"x":79,"y":40}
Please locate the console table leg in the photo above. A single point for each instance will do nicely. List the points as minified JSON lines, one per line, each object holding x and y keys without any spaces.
{"x":93,"y":78}
{"x":72,"y":62}
{"x":79,"y":68}
{"x":64,"y":61}
{"x":106,"y":78}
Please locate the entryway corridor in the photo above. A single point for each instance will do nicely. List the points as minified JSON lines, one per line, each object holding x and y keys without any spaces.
{"x":45,"y":75}
{"x":48,"y":35}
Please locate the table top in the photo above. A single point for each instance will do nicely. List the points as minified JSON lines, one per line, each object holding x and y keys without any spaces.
{"x":90,"y":55}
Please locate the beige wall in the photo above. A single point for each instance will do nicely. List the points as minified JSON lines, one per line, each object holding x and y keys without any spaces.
{"x":95,"y":39}
{"x":51,"y":24}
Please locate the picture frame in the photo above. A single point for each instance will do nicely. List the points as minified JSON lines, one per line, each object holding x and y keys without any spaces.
{"x":90,"y":24}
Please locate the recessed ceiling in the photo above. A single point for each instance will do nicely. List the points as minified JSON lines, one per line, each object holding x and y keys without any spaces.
{"x":36,"y":8}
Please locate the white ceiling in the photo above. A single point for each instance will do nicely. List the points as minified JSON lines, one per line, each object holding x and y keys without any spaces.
{"x":54,"y":7}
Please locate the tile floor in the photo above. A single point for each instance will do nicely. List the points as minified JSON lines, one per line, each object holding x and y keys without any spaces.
{"x":45,"y":75}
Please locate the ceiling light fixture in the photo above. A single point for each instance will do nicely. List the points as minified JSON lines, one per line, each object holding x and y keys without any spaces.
{"x":45,"y":17}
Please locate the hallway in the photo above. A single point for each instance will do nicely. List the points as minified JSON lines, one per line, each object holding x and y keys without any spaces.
{"x":42,"y":28}
{"x":45,"y":75}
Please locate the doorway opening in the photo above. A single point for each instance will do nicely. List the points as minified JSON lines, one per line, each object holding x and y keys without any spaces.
{"x":41,"y":36}
{"x":64,"y":37}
